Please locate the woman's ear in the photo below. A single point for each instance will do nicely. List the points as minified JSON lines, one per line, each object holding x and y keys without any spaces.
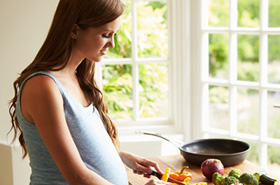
{"x":74,"y":31}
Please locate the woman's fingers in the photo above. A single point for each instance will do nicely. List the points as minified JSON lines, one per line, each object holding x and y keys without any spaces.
{"x":139,"y":172}
{"x":146,"y":165}
{"x":147,"y":175}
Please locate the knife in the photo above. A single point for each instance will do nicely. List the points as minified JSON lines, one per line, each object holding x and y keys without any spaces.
{"x":158,"y":175}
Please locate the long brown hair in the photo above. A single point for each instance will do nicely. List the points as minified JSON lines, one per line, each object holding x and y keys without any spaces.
{"x":56,"y":52}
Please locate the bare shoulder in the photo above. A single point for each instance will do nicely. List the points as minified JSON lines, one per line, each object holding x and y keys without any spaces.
{"x":40,"y":81}
{"x":40,"y":85}
{"x":40,"y":94}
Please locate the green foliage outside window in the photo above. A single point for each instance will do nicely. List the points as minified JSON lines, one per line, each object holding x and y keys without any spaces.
{"x":248,"y":13}
{"x":248,"y":64}
{"x":248,"y":45}
{"x":273,"y":21}
{"x":153,"y":83}
{"x":117,"y":90}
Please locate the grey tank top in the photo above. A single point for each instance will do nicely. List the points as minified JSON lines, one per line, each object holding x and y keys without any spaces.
{"x":89,"y":134}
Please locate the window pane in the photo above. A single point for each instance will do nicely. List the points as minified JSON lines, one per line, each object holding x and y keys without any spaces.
{"x":253,"y":155}
{"x":153,"y":87}
{"x":218,"y":13}
{"x":273,"y":114}
{"x":273,"y":158}
{"x":218,"y":56}
{"x":274,"y":19}
{"x":117,"y":89}
{"x":248,"y":13}
{"x":248,"y":57}
{"x":219,"y":107}
{"x":248,"y":111}
{"x":273,"y":59}
{"x":122,"y":39}
{"x":152,"y":28}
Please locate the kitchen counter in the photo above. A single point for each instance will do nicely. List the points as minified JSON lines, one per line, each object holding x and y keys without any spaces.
{"x":176,"y":162}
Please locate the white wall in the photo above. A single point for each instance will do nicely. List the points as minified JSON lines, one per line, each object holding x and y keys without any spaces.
{"x":24,"y":25}
{"x":23,"y":28}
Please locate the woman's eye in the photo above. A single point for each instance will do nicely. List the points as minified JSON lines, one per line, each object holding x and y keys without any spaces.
{"x":105,"y":36}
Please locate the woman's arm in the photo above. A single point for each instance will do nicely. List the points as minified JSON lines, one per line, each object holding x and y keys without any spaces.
{"x":142,"y":166}
{"x":42,"y":104}
{"x":138,"y":164}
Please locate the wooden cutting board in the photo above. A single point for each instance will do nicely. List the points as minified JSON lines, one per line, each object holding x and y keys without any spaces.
{"x":176,"y":162}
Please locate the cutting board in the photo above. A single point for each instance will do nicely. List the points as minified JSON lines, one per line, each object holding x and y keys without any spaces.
{"x":176,"y":162}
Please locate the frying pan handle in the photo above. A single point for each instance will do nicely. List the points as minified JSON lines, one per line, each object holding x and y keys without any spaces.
{"x":177,"y":144}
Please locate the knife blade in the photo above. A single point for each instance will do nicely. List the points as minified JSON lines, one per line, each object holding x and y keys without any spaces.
{"x":158,"y":175}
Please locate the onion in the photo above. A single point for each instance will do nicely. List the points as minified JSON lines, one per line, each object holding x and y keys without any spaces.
{"x":210,"y":166}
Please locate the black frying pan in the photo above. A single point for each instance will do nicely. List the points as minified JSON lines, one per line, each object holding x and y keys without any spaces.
{"x":230,"y":152}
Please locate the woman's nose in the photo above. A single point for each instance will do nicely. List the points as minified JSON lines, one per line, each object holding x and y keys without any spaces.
{"x":111,"y":42}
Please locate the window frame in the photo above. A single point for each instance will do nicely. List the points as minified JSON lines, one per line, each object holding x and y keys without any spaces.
{"x":178,"y":121}
{"x":200,"y":31}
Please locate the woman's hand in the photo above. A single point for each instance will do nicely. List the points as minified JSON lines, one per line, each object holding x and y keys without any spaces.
{"x":155,"y":182}
{"x":139,"y":165}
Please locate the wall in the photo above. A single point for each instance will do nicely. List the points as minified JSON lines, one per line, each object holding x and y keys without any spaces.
{"x":24,"y":25}
{"x":6,"y":171}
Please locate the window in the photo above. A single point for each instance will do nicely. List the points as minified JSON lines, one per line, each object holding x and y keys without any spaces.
{"x":135,"y":74}
{"x":204,"y":68}
{"x":238,"y":74}
{"x":143,"y":78}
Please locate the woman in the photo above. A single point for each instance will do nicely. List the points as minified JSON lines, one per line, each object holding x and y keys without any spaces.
{"x":58,"y":109}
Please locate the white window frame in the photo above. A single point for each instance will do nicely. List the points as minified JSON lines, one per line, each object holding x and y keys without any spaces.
{"x":178,"y":121}
{"x":200,"y":31}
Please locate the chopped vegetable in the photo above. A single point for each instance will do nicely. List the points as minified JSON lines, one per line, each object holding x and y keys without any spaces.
{"x":217,"y":178}
{"x":200,"y":183}
{"x":235,"y":173}
{"x":264,"y":179}
{"x":259,"y":174}
{"x":165,"y":176}
{"x":181,"y":176}
{"x":230,"y":180}
{"x":248,"y":179}
{"x":187,"y":180}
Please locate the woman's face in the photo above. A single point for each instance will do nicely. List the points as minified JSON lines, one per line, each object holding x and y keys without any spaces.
{"x":93,"y":43}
